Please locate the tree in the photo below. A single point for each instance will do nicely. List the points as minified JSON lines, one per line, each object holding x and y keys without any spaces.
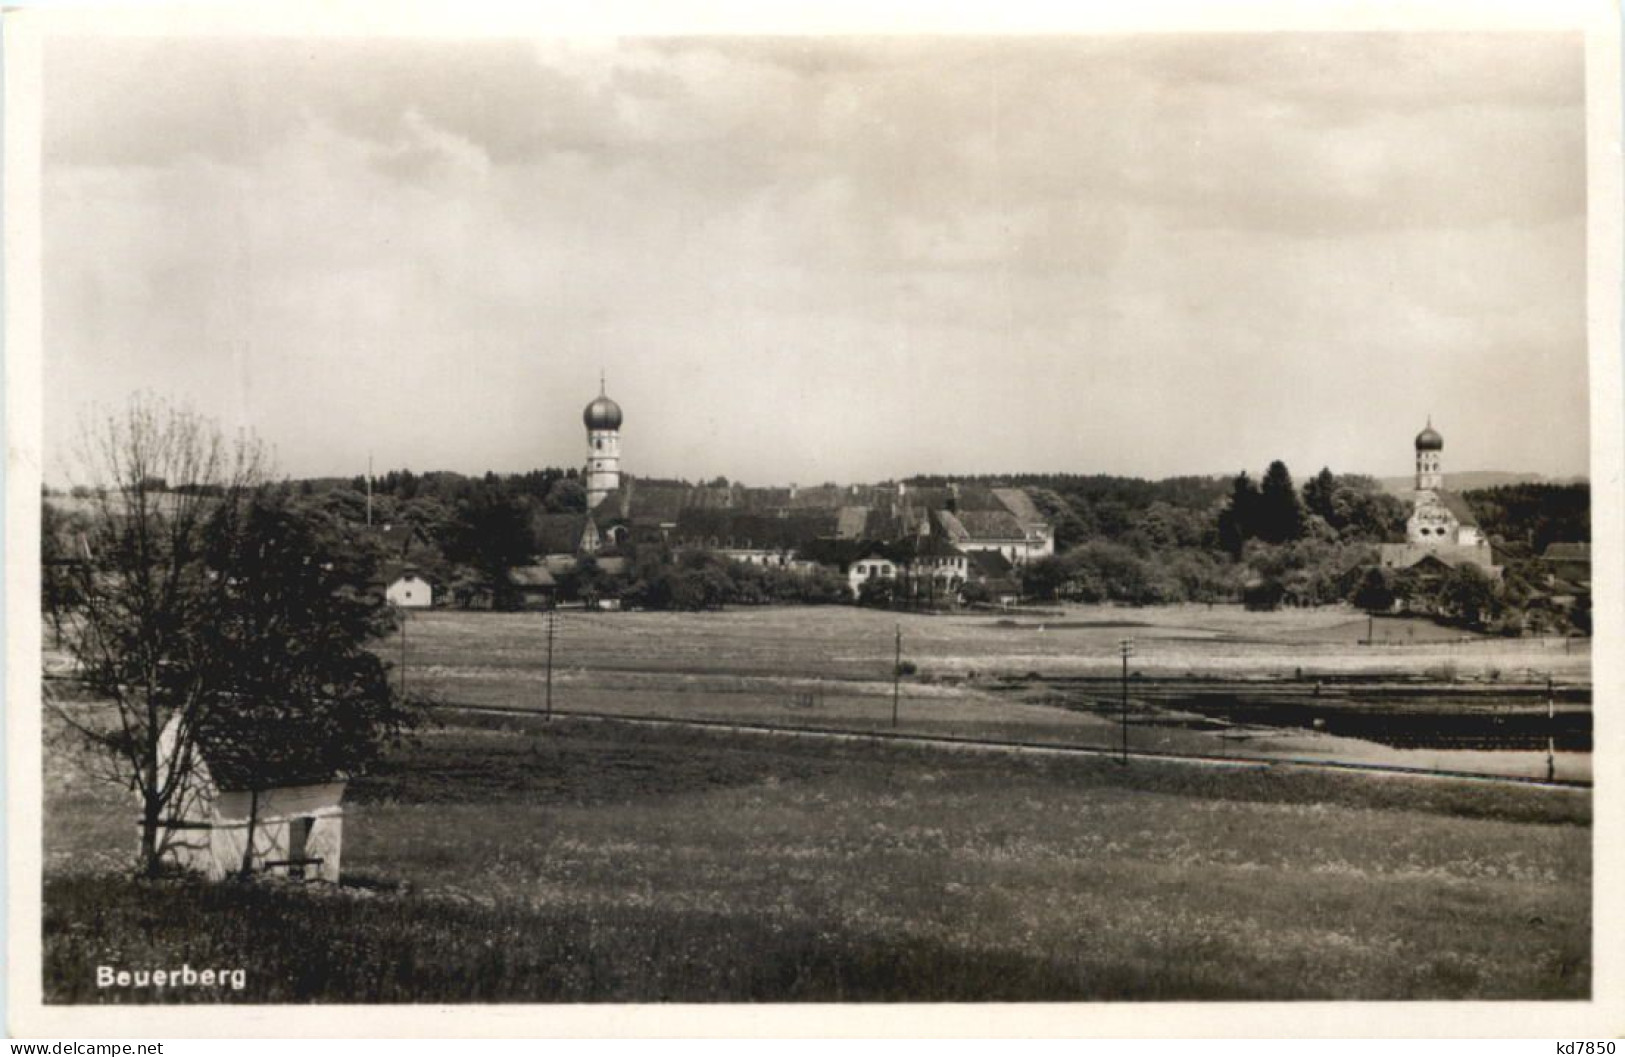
{"x":492,"y":535}
{"x":1468,"y":595}
{"x":1238,"y":520}
{"x":294,"y":687}
{"x":877,"y":592}
{"x":1318,"y":493}
{"x":62,"y":537}
{"x":429,"y":515}
{"x":143,"y":598}
{"x":347,"y":503}
{"x":1263,"y":595}
{"x":1374,"y":595}
{"x":1279,"y":512}
{"x":566,"y":496}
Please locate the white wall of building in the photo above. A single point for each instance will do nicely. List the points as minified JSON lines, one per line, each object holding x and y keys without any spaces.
{"x":603,"y":464}
{"x":410,"y":592}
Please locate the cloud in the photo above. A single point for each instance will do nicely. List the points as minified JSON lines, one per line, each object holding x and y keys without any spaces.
{"x":812,"y":258}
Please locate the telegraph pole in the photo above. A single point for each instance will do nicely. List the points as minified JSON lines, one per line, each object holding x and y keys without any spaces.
{"x":403,"y":652}
{"x":552,"y":615}
{"x":1127,"y":647}
{"x":1551,"y":732}
{"x":896,"y":675}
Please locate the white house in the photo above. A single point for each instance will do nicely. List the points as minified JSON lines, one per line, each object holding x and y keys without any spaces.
{"x":935,"y":566}
{"x":297,"y":814}
{"x":871,"y":565}
{"x":409,"y":591}
{"x":997,"y":532}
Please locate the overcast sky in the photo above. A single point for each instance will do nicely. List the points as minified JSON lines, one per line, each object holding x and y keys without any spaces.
{"x":846,"y":260}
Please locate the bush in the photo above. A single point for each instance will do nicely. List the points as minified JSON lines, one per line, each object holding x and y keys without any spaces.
{"x":1263,"y":595}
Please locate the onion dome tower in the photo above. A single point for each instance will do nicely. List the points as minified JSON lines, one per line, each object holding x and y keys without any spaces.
{"x":1429,"y":450}
{"x":603,"y":421}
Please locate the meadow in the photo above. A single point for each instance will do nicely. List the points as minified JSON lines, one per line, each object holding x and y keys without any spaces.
{"x":1046,"y":677}
{"x":516,"y":859}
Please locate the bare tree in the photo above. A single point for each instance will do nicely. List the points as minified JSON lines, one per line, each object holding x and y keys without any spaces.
{"x":152,"y":475}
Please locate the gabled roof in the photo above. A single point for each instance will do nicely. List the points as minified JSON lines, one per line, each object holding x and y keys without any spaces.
{"x":1020,"y":505}
{"x":990,"y":525}
{"x":558,"y":564}
{"x":828,"y":550}
{"x":558,"y":533}
{"x":951,"y":526}
{"x":1457,"y":507}
{"x":1567,"y":552}
{"x":852,"y":522}
{"x":990,"y":565}
{"x":752,"y":530}
{"x":291,"y":748}
{"x":397,"y":539}
{"x":389,"y":572}
{"x":926,"y":547}
{"x":843,"y":552}
{"x":532,"y":576}
{"x":1408,"y":555}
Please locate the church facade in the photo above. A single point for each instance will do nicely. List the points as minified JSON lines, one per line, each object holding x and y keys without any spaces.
{"x":1441,"y":530}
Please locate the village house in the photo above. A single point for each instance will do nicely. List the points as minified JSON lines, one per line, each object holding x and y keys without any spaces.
{"x":871,"y":565}
{"x":535,"y":585}
{"x":933,"y":567}
{"x":996,"y":575}
{"x":408,"y":589}
{"x":1568,"y":564}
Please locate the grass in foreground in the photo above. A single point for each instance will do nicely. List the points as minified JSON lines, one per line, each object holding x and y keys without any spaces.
{"x":594,"y":862}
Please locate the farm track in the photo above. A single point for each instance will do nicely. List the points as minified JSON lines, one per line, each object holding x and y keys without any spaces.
{"x":949,"y":741}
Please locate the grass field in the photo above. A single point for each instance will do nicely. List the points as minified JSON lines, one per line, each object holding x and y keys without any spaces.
{"x":518,"y":860}
{"x":989,"y":675}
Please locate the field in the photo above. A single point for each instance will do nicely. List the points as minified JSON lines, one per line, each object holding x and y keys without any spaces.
{"x":1205,"y":680}
{"x":507,"y":857}
{"x":580,"y":860}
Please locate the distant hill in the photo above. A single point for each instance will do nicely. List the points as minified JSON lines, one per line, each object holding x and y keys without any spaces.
{"x":1468,"y":480}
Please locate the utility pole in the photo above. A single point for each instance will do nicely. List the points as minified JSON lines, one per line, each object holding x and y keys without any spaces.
{"x":1551,"y":732}
{"x":896,"y":675}
{"x":1127,"y":646}
{"x":552,"y":615}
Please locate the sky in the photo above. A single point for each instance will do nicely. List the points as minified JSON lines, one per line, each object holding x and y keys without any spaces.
{"x":828,"y":259}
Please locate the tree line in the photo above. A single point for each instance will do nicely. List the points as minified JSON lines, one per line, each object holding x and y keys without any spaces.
{"x":1267,"y":542}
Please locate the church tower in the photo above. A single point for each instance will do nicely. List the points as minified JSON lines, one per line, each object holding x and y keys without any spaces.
{"x":603,"y":420}
{"x":1429,"y":448}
